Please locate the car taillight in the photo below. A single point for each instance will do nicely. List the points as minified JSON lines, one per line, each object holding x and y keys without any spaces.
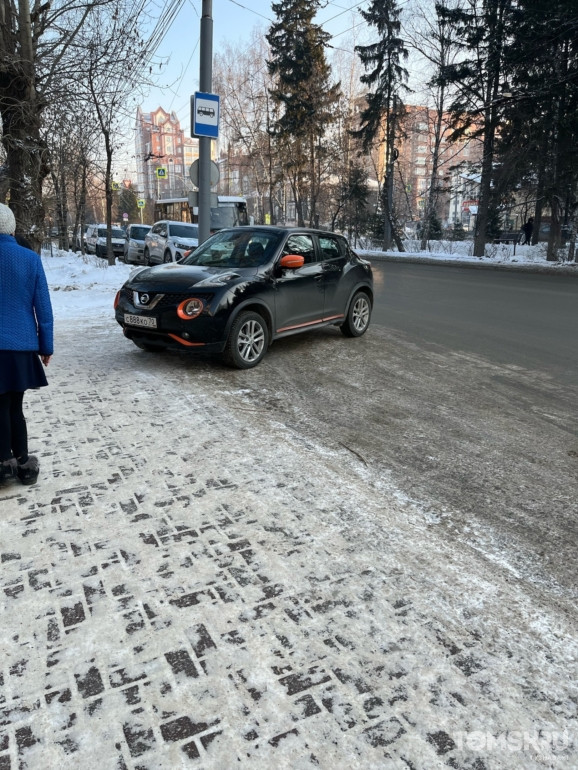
{"x":190,"y":308}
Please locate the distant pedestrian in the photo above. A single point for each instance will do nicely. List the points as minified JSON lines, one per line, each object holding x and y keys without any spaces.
{"x":26,"y":340}
{"x":527,"y":230}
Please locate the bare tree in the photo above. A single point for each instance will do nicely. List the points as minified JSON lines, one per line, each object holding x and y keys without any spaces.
{"x":242,"y":79}
{"x":35,"y":44}
{"x":434,"y":40}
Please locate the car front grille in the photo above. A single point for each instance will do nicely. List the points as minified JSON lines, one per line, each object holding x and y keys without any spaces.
{"x":166,"y":300}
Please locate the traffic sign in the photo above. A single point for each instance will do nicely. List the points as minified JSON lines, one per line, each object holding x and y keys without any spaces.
{"x":194,"y":173}
{"x":115,"y":185}
{"x":205,"y":117}
{"x":141,"y":203}
{"x":161,"y":172}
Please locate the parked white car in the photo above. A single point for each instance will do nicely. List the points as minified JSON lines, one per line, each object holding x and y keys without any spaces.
{"x":95,"y":240}
{"x":168,"y":241}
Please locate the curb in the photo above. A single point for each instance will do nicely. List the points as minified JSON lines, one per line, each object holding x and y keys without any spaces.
{"x":557,"y":268}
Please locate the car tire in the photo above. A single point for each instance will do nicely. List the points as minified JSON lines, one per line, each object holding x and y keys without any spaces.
{"x":358,"y":315}
{"x":150,"y":348}
{"x":146,"y":257}
{"x":248,"y":341}
{"x":168,"y":257}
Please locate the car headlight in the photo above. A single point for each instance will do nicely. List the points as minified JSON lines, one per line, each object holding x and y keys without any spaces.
{"x":190,"y":308}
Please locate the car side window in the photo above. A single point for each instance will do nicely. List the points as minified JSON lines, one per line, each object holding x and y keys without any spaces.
{"x":156,"y":229}
{"x":330,"y":247}
{"x":301,"y":244}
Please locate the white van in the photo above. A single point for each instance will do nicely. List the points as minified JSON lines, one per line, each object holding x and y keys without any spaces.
{"x":95,"y":240}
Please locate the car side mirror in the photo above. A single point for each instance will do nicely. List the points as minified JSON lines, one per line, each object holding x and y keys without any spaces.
{"x":292,"y":261}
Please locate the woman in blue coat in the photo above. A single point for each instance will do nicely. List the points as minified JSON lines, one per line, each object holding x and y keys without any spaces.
{"x":26,"y":340}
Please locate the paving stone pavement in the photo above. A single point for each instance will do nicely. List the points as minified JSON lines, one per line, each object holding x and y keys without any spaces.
{"x":191,"y":585}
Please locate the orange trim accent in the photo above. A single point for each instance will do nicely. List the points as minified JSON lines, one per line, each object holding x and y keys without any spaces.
{"x":184,"y":342}
{"x":292,"y":261}
{"x":311,"y":323}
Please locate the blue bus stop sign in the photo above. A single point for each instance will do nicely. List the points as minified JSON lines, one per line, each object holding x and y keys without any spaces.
{"x":205,"y":117}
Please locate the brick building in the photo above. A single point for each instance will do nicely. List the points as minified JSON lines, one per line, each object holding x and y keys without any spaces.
{"x":161,"y":144}
{"x":458,"y":162}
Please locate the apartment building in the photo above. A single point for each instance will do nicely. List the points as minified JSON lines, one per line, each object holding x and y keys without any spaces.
{"x":456,"y":172}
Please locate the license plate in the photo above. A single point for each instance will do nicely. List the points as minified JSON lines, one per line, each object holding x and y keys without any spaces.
{"x":140,"y":320}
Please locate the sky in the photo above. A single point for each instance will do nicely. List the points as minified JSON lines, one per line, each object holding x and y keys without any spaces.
{"x":175,"y":66}
{"x":233,"y":23}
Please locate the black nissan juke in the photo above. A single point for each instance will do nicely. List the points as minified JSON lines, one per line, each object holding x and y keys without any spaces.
{"x":245,"y":287}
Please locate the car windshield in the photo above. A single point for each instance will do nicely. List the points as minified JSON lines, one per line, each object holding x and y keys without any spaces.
{"x":184,"y":231}
{"x":241,"y":247}
{"x":115,"y":232}
{"x":138,"y":233}
{"x":224,"y":216}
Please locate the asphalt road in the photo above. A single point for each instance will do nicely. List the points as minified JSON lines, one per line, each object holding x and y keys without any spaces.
{"x":509,"y":317}
{"x":461,"y":400}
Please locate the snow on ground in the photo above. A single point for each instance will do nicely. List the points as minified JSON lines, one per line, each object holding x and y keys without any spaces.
{"x":194,"y":585}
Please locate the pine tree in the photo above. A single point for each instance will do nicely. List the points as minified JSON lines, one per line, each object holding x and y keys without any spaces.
{"x":304,"y":97}
{"x":539,"y":137}
{"x":484,"y":29}
{"x":386,"y":77}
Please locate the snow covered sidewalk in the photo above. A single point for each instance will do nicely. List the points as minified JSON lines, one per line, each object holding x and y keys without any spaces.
{"x":191,"y":585}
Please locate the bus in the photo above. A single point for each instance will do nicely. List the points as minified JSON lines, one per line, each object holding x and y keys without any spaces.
{"x":230,"y":212}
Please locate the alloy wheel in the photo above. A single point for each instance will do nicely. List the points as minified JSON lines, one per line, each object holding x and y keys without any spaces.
{"x":360,"y":313}
{"x":251,"y":340}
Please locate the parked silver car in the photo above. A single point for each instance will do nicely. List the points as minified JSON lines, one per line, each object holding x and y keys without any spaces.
{"x":134,"y":244}
{"x":168,"y":241}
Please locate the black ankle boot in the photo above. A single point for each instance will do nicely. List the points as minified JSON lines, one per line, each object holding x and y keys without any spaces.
{"x":28,"y":471}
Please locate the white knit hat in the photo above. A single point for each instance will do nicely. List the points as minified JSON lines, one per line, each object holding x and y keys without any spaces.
{"x":7,"y":221}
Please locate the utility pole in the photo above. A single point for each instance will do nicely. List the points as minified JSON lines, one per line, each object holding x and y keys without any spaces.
{"x":206,"y":86}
